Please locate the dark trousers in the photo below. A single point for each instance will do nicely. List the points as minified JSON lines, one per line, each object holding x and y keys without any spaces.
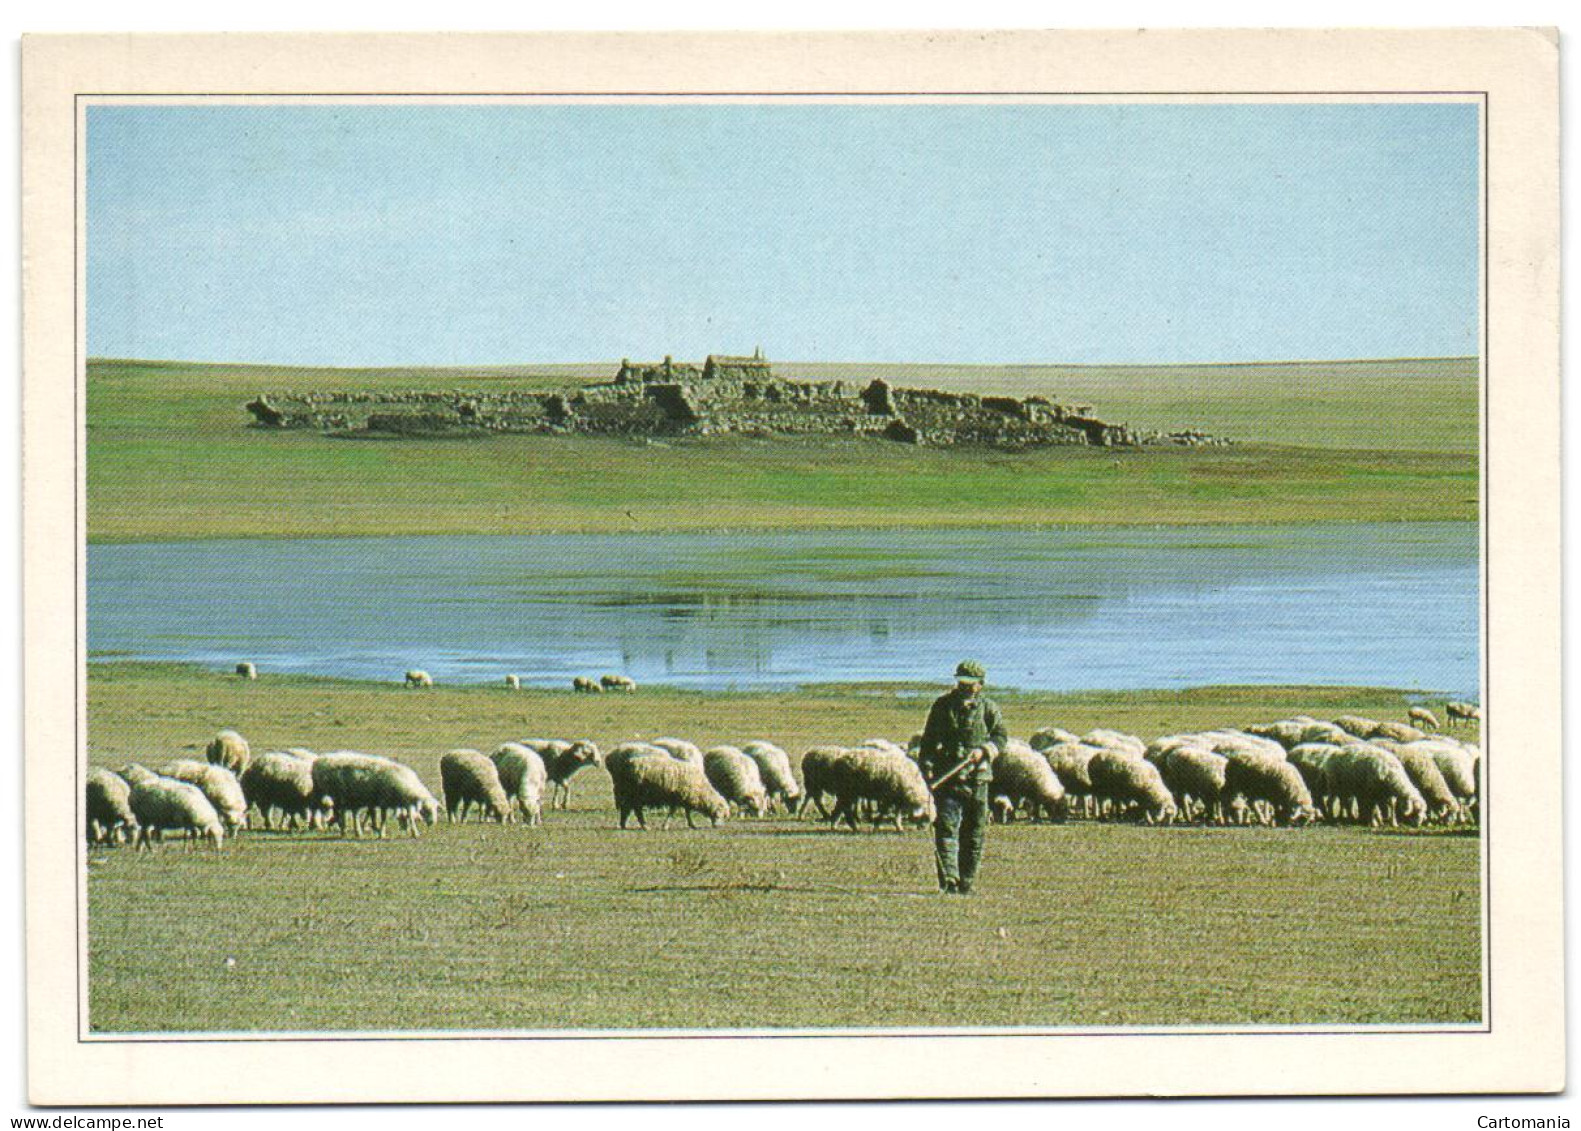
{"x":959,"y":830}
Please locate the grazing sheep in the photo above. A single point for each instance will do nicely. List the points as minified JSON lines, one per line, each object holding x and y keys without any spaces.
{"x":1423,"y":718}
{"x":644,"y":781}
{"x":219,"y":785}
{"x":247,"y":670}
{"x":680,"y":750}
{"x":1357,"y":725}
{"x":523,"y":777}
{"x":109,"y":808}
{"x":467,"y":778}
{"x":1128,"y":744}
{"x":1070,"y":761}
{"x":1273,"y":782}
{"x":359,"y":785}
{"x":513,"y":683}
{"x":1396,"y":732}
{"x":162,"y":804}
{"x":1312,"y":761}
{"x":1370,"y":784}
{"x":419,"y":678}
{"x":1022,"y":776}
{"x":817,"y":775}
{"x":1457,"y":762}
{"x":892,"y":782}
{"x":1123,"y":782}
{"x":617,"y":683}
{"x":1195,"y":775}
{"x":774,"y":768}
{"x":885,"y":745}
{"x":587,"y":685}
{"x":1462,"y":712}
{"x":561,"y":760}
{"x":230,"y":750}
{"x":1044,"y":737}
{"x":1423,"y":770}
{"x":736,"y":778}
{"x":1227,"y":742}
{"x":283,"y":780}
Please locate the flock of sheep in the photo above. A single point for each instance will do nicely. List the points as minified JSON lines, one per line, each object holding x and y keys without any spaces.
{"x":1290,"y":772}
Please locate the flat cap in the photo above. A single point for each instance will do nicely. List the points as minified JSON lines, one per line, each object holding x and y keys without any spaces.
{"x":970,"y":669}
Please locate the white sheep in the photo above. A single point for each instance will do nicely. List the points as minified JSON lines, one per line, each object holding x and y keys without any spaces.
{"x":1128,"y":744}
{"x":1421,"y":766}
{"x":283,"y":780}
{"x":817,"y":775}
{"x":163,"y":804}
{"x":247,"y":670}
{"x":1125,"y":782}
{"x":681,"y":750}
{"x":1195,"y":776}
{"x":513,"y":683}
{"x":419,"y":678}
{"x":562,"y":759}
{"x":109,"y":807}
{"x":737,"y":779}
{"x":467,"y":778}
{"x":1422,"y":718}
{"x":774,"y":767}
{"x":523,"y":777}
{"x":644,"y":780}
{"x":586,"y":685}
{"x":1022,"y":776}
{"x":1458,"y":711}
{"x":1044,"y":737}
{"x":1369,"y":783}
{"x":892,"y":782}
{"x":229,"y":749}
{"x":359,"y":785}
{"x":1274,"y":782}
{"x":617,"y":683}
{"x":219,"y":785}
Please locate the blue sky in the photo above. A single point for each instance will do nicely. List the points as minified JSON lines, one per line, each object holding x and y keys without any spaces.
{"x":457,"y":235}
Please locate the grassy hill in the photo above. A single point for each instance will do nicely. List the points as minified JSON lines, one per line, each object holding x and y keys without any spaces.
{"x":170,"y":456}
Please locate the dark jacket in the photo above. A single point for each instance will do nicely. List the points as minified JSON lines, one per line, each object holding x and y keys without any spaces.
{"x":954,"y":728}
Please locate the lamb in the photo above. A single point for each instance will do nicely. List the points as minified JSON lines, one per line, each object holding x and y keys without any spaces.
{"x":247,"y":670}
{"x":1128,"y":744}
{"x":774,"y":768}
{"x":1195,"y":775}
{"x":160,"y":804}
{"x":617,"y":683}
{"x":283,"y":780}
{"x":587,"y":685}
{"x":1422,"y":768}
{"x":1369,"y":782}
{"x":1422,"y":718}
{"x":358,"y":784}
{"x":419,"y":678}
{"x":1123,"y":782}
{"x":230,"y":750}
{"x":562,"y":760}
{"x":219,"y":785}
{"x":1044,"y":737}
{"x":643,"y":780}
{"x":109,"y":808}
{"x":891,"y":781}
{"x":467,"y":778}
{"x":680,"y":750}
{"x":1022,"y":776}
{"x":513,"y":683}
{"x":523,"y":777}
{"x":736,"y":778}
{"x":1270,"y":781}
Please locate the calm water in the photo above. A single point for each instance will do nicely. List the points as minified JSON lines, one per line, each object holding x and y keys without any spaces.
{"x":1390,"y":605}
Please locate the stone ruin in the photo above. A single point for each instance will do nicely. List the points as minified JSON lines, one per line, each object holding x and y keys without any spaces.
{"x":726,"y":396}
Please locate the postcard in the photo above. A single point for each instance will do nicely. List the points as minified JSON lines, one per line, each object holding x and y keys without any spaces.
{"x":645,"y":567}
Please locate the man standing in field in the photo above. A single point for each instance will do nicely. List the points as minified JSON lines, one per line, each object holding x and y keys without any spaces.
{"x":964,"y":731}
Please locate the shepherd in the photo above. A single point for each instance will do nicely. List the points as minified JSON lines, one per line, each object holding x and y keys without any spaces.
{"x":964,"y":732}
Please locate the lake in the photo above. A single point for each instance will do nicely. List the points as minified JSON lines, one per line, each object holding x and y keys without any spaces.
{"x":1393,"y":605}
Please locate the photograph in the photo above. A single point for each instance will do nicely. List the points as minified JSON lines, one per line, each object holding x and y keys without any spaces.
{"x":599,"y":568}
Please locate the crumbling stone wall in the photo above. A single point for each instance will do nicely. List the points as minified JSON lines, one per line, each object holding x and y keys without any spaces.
{"x":670,"y":399}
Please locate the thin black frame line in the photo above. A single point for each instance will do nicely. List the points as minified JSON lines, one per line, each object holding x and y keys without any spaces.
{"x":1484,"y":452}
